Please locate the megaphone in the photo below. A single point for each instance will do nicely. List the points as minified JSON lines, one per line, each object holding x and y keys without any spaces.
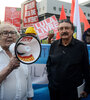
{"x":27,"y":49}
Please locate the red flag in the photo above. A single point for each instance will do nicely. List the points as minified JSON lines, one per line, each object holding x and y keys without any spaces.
{"x":72,"y":10}
{"x":57,"y":36}
{"x":62,"y":15}
{"x":83,"y":18}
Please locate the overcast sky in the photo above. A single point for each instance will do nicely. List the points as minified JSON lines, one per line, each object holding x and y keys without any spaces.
{"x":79,"y":1}
{"x":17,"y":3}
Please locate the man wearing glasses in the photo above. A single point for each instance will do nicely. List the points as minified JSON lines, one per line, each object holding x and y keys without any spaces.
{"x":15,"y":80}
{"x":67,"y":65}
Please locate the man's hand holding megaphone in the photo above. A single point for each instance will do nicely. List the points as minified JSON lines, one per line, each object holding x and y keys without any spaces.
{"x":14,"y":63}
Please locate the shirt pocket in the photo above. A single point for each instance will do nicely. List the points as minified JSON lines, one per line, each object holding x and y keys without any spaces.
{"x":75,"y":60}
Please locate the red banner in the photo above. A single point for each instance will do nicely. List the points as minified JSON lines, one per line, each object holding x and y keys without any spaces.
{"x":13,"y":16}
{"x":42,"y":28}
{"x":30,"y":15}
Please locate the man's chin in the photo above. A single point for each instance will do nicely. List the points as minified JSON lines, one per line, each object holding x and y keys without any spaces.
{"x":64,"y":37}
{"x":8,"y":44}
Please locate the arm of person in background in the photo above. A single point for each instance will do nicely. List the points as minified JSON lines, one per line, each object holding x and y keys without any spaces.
{"x":14,"y":63}
{"x":50,"y":36}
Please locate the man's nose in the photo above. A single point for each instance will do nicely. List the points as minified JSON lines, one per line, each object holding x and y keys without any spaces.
{"x":64,"y":29}
{"x":9,"y":34}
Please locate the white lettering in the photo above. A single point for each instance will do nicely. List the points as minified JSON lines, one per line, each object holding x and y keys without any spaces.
{"x":33,"y":12}
{"x":27,"y":13}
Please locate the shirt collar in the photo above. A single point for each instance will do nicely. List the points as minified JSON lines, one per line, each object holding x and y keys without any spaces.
{"x":1,"y":49}
{"x":71,"y":43}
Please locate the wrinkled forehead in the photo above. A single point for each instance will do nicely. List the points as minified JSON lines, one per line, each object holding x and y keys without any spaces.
{"x":7,"y":28}
{"x":64,"y":24}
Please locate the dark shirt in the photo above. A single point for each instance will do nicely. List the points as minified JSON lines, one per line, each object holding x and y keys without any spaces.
{"x":68,"y":65}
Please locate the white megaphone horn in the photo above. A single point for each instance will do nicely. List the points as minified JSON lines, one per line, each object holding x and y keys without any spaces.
{"x":12,"y":48}
{"x":27,"y":49}
{"x":23,"y":48}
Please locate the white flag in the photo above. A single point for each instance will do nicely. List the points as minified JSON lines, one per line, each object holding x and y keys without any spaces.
{"x":76,"y":20}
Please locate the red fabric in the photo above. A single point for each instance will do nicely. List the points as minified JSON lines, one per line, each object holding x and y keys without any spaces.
{"x":57,"y":36}
{"x":62,"y":15}
{"x":72,"y":10}
{"x":84,"y":20}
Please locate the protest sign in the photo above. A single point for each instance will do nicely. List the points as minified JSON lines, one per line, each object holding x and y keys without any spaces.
{"x":43,"y":27}
{"x":30,"y":15}
{"x":13,"y":16}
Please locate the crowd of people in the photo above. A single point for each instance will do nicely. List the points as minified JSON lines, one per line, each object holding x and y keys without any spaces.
{"x":67,"y":66}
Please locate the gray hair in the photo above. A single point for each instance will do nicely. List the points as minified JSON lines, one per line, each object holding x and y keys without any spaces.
{"x":3,"y":25}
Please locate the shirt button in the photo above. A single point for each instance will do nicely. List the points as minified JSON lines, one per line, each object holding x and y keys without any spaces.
{"x":64,"y":52}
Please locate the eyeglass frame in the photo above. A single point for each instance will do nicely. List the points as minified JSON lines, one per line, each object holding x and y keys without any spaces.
{"x":7,"y":33}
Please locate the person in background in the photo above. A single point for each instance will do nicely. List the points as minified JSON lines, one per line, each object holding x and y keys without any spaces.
{"x":67,"y":65}
{"x":86,"y":36}
{"x":31,"y":31}
{"x":51,"y":36}
{"x":15,"y":79}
